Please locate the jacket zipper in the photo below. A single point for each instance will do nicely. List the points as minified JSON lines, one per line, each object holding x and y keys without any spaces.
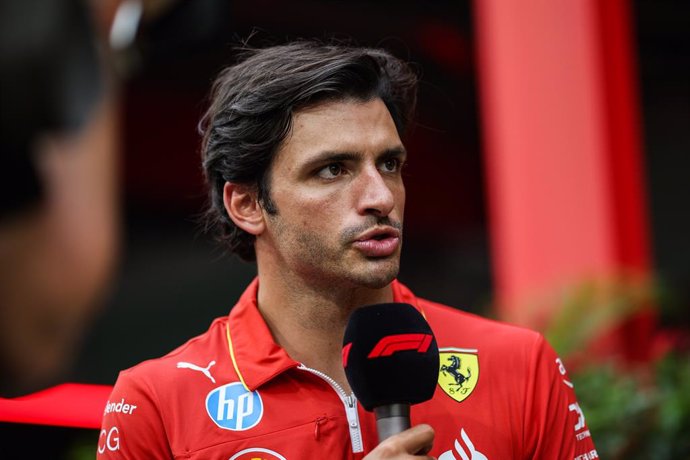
{"x":350,"y":403}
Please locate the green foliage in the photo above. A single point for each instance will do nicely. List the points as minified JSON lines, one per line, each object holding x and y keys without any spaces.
{"x":632,"y":412}
{"x":591,"y":308}
{"x":638,"y":414}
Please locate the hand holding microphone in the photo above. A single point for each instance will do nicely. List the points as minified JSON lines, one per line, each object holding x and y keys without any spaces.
{"x":391,"y":361}
{"x":413,"y":443}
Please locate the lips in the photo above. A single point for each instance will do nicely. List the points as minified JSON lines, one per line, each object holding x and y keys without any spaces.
{"x":378,"y":242}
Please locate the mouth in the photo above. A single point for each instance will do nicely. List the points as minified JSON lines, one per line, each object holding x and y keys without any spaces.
{"x":379,"y":233}
{"x":378,"y":242}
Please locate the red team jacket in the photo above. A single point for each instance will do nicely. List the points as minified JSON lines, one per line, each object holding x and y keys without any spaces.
{"x":233,"y":394}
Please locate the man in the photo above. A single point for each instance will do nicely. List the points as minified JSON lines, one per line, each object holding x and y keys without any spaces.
{"x":303,"y":156}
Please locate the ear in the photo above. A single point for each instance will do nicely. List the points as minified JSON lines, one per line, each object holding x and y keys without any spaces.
{"x":242,"y":205}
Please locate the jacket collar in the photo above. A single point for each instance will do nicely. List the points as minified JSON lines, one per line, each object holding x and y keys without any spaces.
{"x":255,"y":356}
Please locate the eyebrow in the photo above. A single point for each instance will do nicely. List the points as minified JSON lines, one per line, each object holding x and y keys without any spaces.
{"x":335,"y":157}
{"x":394,"y":152}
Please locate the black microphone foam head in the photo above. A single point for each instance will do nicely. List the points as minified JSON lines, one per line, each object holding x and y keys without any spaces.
{"x":390,"y":355}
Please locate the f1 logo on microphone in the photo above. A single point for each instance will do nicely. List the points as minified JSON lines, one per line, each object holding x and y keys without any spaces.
{"x":394,"y":343}
{"x":401,"y":342}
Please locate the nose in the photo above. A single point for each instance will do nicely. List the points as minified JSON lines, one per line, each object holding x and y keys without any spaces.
{"x":374,"y":194}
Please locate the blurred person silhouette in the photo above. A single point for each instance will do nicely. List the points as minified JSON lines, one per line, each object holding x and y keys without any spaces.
{"x":58,"y":203}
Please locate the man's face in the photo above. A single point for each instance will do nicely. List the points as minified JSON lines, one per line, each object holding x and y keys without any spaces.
{"x":336,"y":183}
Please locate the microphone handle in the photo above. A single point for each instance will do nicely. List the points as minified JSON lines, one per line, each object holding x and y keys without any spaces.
{"x":392,"y":419}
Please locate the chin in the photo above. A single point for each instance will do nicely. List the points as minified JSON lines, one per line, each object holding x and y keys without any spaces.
{"x":377,"y":278}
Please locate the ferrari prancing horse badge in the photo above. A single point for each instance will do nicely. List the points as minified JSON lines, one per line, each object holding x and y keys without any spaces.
{"x":459,"y":372}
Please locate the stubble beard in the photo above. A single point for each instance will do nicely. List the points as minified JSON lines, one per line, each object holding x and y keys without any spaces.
{"x":345,"y":265}
{"x":339,"y":264}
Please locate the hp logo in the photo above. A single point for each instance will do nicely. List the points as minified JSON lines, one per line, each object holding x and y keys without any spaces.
{"x":234,"y":408}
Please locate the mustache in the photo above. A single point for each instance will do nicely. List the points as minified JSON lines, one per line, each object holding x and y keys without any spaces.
{"x":350,"y":234}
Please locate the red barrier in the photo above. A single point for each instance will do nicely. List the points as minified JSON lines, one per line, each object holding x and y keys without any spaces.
{"x":70,"y":404}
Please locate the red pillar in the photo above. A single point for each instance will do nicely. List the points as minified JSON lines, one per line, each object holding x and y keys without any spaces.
{"x":562,"y":143}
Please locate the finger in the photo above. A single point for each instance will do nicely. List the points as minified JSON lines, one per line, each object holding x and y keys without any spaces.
{"x":418,"y":439}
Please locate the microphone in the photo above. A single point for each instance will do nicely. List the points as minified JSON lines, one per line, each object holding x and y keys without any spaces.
{"x":391,"y":361}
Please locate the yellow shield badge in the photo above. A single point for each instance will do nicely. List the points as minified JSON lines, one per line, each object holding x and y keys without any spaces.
{"x":459,"y":372}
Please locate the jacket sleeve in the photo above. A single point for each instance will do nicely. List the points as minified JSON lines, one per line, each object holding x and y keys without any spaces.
{"x":132,"y":426}
{"x":555,"y":426}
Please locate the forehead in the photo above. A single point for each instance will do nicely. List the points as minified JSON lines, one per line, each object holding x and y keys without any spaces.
{"x":348,"y":110}
{"x":349,"y":126}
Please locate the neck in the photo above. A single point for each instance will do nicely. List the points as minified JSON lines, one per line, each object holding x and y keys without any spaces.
{"x":308,"y":319}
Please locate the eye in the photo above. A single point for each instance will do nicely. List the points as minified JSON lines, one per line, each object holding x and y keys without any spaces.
{"x":390,"y":165}
{"x":330,"y":171}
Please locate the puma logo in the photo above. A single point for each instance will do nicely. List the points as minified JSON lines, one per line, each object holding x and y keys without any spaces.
{"x":194,"y":367}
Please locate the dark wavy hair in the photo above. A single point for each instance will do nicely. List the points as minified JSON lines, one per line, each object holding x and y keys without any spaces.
{"x":251,"y":108}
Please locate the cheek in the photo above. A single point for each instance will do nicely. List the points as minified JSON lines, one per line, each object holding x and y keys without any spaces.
{"x":323,"y":204}
{"x":314,"y":214}
{"x":400,"y":199}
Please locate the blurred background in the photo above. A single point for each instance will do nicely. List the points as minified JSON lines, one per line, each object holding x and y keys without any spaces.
{"x":545,"y":187}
